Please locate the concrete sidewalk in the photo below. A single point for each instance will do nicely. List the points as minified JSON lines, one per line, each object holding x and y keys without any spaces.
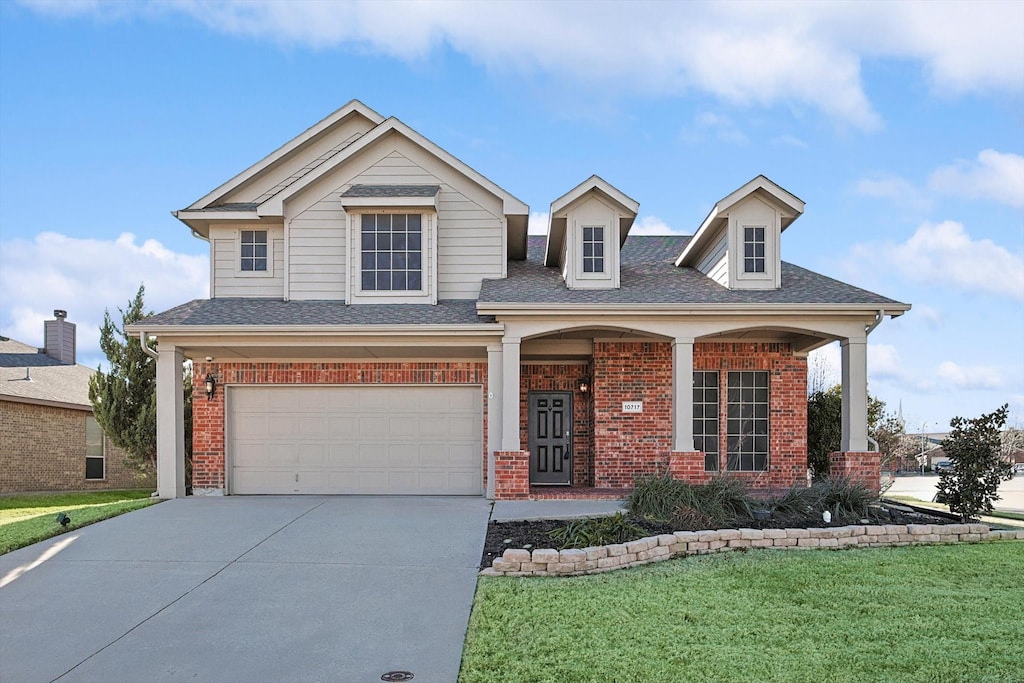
{"x":250,"y":589}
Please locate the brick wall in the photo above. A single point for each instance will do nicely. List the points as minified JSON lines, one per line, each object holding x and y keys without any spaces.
{"x":863,"y":467}
{"x":208,"y":445}
{"x":42,"y":448}
{"x":629,"y":444}
{"x":562,"y":377}
{"x":787,"y":396}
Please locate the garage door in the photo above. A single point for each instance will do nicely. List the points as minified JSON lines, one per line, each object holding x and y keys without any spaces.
{"x":344,"y":439}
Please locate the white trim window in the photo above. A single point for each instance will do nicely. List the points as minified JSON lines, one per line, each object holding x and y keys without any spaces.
{"x":253,"y":256}
{"x":391,"y":252}
{"x":753,"y":249}
{"x":95,"y":452}
{"x":393,"y":257}
{"x":593,"y":249}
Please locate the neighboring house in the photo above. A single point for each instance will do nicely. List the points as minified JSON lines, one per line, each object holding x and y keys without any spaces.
{"x":380,"y":322}
{"x":49,"y":439}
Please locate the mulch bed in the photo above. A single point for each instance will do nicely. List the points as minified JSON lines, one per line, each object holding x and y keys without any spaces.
{"x":534,"y":534}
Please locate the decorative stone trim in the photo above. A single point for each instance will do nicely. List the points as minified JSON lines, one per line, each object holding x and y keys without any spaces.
{"x":598,"y":559}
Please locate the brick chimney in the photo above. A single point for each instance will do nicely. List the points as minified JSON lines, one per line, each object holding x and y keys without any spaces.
{"x":59,"y":338}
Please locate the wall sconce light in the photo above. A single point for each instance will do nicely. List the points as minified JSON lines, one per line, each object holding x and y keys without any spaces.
{"x":211,"y":385}
{"x":584,"y":385}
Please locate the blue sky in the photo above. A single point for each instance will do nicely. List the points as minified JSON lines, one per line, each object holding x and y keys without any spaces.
{"x":900,"y":124}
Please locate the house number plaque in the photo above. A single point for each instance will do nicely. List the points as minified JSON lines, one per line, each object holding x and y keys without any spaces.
{"x":632,"y":406}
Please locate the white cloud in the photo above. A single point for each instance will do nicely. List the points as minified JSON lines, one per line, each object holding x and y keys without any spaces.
{"x":969,"y":377}
{"x":789,"y":141}
{"x":652,"y":225}
{"x":763,"y":54}
{"x":899,"y":191}
{"x":945,"y":254}
{"x":538,"y":224}
{"x":86,"y":276}
{"x":997,"y":176}
{"x":717,"y":126}
{"x":930,"y":316}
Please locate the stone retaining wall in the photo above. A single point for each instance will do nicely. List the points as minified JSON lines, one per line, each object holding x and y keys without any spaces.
{"x":547,"y":562}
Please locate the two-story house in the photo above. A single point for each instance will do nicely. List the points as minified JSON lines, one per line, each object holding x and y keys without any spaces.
{"x":380,"y":322}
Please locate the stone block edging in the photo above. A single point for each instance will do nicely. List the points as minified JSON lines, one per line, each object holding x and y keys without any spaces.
{"x":598,"y":559}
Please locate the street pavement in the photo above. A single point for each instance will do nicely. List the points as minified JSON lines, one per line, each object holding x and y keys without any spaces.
{"x":922,"y":487}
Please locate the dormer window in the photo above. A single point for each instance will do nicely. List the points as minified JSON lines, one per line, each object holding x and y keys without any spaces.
{"x":593,"y":249}
{"x":753,"y":249}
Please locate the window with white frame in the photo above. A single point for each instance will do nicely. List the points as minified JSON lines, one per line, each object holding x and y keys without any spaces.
{"x":747,"y":421}
{"x":95,"y":457}
{"x":705,"y":416}
{"x":253,"y":251}
{"x":391,"y":257}
{"x":593,"y":249}
{"x":753,"y":249}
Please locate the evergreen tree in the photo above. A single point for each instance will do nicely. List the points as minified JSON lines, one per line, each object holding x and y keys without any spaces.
{"x":124,"y":399}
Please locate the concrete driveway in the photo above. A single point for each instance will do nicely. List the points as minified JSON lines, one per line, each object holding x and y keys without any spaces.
{"x":248,"y":589}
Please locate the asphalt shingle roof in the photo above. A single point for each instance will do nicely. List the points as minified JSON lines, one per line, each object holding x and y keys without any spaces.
{"x":392,"y":191}
{"x":648,"y":274}
{"x":235,"y":311}
{"x":50,"y":380}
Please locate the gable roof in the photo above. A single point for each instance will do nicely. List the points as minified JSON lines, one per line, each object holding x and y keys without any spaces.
{"x":271,"y":203}
{"x":650,"y":276}
{"x":29,"y":376}
{"x":557,"y":220}
{"x":760,"y":186}
{"x":349,"y":109}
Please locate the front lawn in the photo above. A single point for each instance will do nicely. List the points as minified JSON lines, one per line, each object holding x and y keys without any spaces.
{"x":921,"y":613}
{"x":28,"y":519}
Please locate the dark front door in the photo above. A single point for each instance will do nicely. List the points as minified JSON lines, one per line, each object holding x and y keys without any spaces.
{"x":550,"y":443}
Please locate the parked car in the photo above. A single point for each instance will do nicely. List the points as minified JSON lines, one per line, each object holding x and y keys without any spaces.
{"x":1018,"y":468}
{"x":943,"y":466}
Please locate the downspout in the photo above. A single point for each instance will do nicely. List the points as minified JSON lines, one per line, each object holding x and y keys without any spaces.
{"x":152,"y":353}
{"x":878,"y":321}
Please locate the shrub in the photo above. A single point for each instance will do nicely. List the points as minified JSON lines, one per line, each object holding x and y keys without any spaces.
{"x":583,"y":533}
{"x":846,"y":499}
{"x":724,"y":501}
{"x":973,"y":447}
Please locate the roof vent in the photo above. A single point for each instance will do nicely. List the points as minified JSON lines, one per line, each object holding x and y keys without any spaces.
{"x":57,"y":313}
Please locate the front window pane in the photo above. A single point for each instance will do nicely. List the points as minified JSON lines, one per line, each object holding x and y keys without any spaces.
{"x":747,"y":425}
{"x":753,"y":250}
{"x":392,"y":254}
{"x":95,"y":462}
{"x":705,"y":416}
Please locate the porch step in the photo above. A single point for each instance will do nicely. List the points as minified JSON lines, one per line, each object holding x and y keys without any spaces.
{"x":576,"y":493}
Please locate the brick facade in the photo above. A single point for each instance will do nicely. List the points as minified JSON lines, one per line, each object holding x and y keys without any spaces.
{"x":610,"y":447}
{"x":42,"y":448}
{"x":631,"y":444}
{"x":208,"y":447}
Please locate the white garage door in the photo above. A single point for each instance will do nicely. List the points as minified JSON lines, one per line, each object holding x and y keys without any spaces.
{"x":345,"y":439}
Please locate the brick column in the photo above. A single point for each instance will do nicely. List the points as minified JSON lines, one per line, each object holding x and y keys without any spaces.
{"x":860,"y":466}
{"x":688,"y":466}
{"x":511,"y":475}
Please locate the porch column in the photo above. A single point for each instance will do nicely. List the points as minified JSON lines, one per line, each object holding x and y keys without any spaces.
{"x":170,"y":423}
{"x":855,"y":395}
{"x":494,"y":413}
{"x":682,"y":394}
{"x":510,"y":394}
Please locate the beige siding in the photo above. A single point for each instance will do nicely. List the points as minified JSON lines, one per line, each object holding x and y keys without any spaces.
{"x":228,"y":282}
{"x":469,"y":233}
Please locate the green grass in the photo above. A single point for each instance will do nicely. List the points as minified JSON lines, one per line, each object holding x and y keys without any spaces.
{"x":28,"y":519}
{"x":924,"y":613}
